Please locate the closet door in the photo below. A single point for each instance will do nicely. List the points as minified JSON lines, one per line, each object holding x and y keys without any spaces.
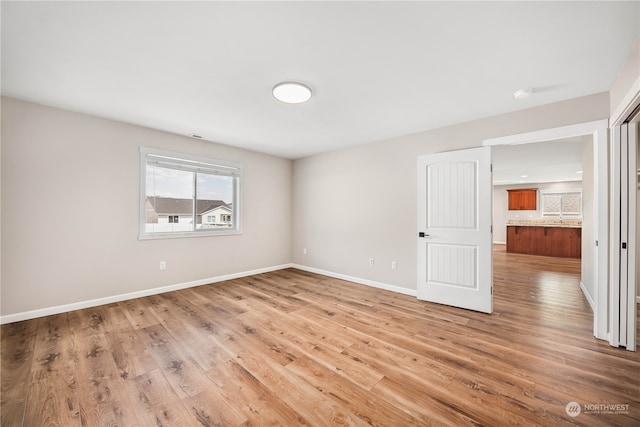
{"x":624,"y":234}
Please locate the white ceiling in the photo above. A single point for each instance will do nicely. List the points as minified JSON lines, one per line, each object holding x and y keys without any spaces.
{"x":377,"y":69}
{"x":548,"y":161}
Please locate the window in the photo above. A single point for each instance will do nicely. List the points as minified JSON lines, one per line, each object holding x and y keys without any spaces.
{"x":562,"y":204}
{"x":179,"y":192}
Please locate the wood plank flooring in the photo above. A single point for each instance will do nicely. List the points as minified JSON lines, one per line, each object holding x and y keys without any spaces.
{"x":293,"y":348}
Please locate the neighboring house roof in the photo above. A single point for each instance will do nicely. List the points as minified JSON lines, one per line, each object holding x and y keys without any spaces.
{"x":226,"y":208}
{"x":171,"y":206}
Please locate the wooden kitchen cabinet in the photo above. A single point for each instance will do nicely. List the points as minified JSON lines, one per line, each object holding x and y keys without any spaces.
{"x":549,"y":241}
{"x":523,"y":199}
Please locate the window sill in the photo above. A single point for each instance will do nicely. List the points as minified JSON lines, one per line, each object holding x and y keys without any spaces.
{"x":157,"y":236}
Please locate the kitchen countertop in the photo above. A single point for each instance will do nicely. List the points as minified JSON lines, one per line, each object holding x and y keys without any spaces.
{"x":565,"y":223}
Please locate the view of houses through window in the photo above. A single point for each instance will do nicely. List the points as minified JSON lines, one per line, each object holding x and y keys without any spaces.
{"x":185,"y":196}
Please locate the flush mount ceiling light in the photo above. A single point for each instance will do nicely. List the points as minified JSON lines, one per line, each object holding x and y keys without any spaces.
{"x":522,"y":93}
{"x":291,"y":92}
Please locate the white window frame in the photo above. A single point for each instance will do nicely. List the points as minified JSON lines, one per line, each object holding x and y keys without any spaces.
{"x":190,"y":163}
{"x":561,"y":214}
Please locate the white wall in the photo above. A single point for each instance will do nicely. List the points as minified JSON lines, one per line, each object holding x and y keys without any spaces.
{"x":626,"y":82}
{"x":358,"y":203}
{"x":502,"y":214}
{"x":71,"y":166}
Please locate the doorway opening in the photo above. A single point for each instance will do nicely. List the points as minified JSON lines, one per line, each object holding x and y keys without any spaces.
{"x":547,"y":239}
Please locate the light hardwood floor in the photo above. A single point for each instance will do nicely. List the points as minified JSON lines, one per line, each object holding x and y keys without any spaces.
{"x":294,"y":348}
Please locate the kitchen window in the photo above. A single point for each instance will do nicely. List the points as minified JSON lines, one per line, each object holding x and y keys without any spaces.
{"x":561,"y":204}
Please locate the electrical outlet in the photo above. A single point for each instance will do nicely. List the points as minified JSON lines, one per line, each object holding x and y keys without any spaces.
{"x":163,"y":265}
{"x":371,"y":261}
{"x":304,"y":251}
{"x":394,"y":265}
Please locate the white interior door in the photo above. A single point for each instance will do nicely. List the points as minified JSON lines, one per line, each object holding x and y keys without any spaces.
{"x":455,"y":259}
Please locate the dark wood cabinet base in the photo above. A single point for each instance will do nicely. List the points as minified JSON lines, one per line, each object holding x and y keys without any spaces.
{"x":549,"y":241}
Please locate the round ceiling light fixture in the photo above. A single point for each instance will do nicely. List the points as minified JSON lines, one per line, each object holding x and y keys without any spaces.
{"x":291,"y":92}
{"x":522,"y":93}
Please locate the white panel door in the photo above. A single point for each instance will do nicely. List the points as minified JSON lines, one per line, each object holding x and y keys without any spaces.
{"x":623,"y":315}
{"x":455,"y":259}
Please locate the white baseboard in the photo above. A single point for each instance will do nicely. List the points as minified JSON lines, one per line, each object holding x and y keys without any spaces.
{"x":499,"y":243}
{"x":10,"y":318}
{"x":385,"y":286}
{"x":589,"y":298}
